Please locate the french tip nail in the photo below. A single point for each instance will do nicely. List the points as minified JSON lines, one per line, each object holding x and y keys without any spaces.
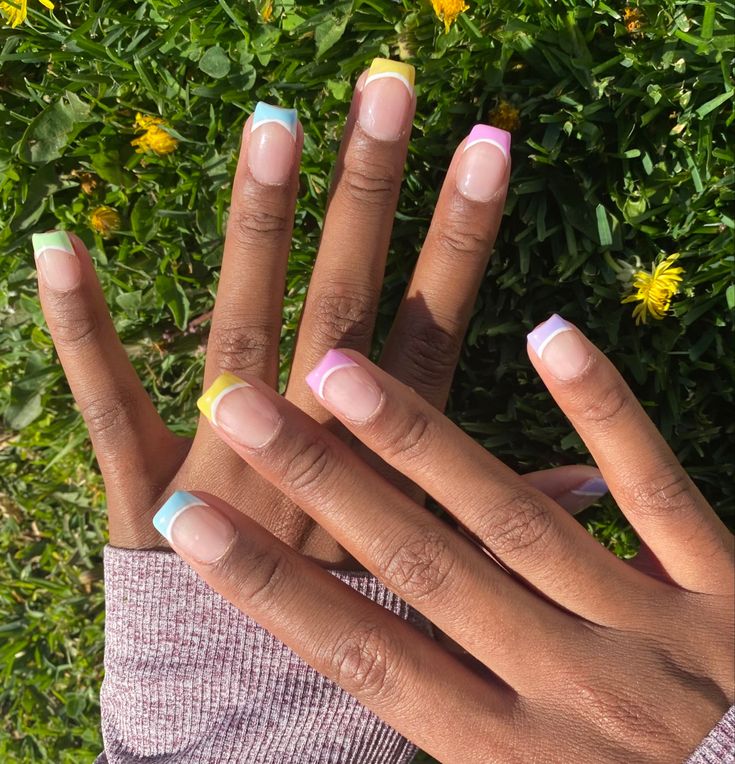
{"x":330,"y":362}
{"x":51,"y":240}
{"x":178,"y":502}
{"x":594,"y":488}
{"x":266,"y":113}
{"x":386,"y":67}
{"x":542,"y":335}
{"x":207,"y":402}
{"x":494,"y":136}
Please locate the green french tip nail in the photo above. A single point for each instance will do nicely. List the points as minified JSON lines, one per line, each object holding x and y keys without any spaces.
{"x":51,"y":240}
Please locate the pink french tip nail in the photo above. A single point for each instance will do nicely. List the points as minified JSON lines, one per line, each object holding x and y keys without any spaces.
{"x":544,"y":333}
{"x":492,"y":135}
{"x":332,"y":361}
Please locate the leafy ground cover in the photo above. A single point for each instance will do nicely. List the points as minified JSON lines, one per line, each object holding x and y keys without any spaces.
{"x":619,"y":117}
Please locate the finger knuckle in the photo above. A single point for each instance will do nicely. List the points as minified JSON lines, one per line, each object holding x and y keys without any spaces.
{"x":251,"y":222}
{"x":109,"y":414}
{"x":420,"y":565}
{"x":342,"y":316}
{"x":74,"y":326}
{"x":460,"y":241}
{"x":409,"y":438}
{"x":670,"y":492}
{"x":308,"y":467}
{"x":366,"y":182}
{"x":607,"y":406}
{"x":363,"y":659}
{"x":259,"y":576}
{"x":241,"y":348}
{"x":429,"y":354}
{"x":516,"y":527}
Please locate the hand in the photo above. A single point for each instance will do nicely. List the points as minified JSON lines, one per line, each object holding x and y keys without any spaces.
{"x":580,"y":656}
{"x":140,"y":458}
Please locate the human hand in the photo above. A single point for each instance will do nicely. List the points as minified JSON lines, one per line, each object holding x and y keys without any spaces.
{"x":580,"y":656}
{"x":140,"y":458}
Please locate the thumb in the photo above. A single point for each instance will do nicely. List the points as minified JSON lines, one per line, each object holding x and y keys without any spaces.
{"x":575,"y":487}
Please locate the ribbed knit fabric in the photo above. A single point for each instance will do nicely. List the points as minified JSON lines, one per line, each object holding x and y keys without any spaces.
{"x":189,"y":678}
{"x":719,"y":746}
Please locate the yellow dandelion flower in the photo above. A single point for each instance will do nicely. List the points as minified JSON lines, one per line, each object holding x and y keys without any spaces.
{"x":105,"y":221}
{"x":448,"y":11}
{"x":655,"y":290}
{"x":632,"y":18}
{"x":505,"y":116}
{"x":16,"y":11}
{"x":154,"y":138}
{"x":267,"y":11}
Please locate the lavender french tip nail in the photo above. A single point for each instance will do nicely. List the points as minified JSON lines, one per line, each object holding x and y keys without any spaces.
{"x":492,"y":135}
{"x":332,"y":361}
{"x":594,"y":488}
{"x":542,"y":335}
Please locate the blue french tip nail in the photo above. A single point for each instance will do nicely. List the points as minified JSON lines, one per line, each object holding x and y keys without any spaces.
{"x":177,"y":503}
{"x":594,"y":487}
{"x":265,"y":113}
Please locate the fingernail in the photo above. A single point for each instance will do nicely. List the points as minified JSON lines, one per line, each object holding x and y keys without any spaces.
{"x":56,"y":260}
{"x":345,"y":386}
{"x":272,"y":145}
{"x":194,"y":528}
{"x":483,"y":166}
{"x":560,"y":347}
{"x":594,"y":488}
{"x":386,"y":99}
{"x":241,"y":410}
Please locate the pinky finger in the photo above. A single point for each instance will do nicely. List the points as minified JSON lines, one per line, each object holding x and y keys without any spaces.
{"x":396,"y":671}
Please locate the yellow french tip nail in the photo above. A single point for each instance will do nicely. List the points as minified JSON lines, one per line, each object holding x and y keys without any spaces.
{"x":226,"y":382}
{"x":384,"y":67}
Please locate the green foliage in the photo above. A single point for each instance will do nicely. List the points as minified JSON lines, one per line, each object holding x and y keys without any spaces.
{"x":621,"y":154}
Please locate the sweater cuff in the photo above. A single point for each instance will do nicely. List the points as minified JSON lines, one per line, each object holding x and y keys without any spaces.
{"x":719,"y":746}
{"x":189,"y":677}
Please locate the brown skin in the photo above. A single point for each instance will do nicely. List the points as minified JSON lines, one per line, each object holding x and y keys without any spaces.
{"x":142,"y":461}
{"x":588,"y":658}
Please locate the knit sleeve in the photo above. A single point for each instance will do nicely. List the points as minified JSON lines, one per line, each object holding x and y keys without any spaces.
{"x":719,"y":746}
{"x":190,"y":678}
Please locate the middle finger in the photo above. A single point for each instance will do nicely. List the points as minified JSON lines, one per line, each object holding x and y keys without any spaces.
{"x":342,"y":301}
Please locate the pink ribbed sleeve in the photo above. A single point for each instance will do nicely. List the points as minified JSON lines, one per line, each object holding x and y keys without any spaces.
{"x":189,"y":678}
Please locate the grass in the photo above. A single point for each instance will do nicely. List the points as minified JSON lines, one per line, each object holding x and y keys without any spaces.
{"x":620,"y":153}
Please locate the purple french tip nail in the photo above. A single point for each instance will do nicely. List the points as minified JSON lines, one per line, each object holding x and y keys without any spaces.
{"x":332,"y":361}
{"x":542,"y":335}
{"x":492,"y":135}
{"x":594,"y":487}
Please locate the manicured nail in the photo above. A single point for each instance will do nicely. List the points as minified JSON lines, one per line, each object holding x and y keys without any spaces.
{"x":386,"y":99}
{"x":241,"y":410}
{"x":272,"y":146}
{"x":56,"y":260}
{"x":482,"y":169}
{"x":194,"y":528}
{"x":345,"y":386}
{"x":594,"y":488}
{"x":560,"y":347}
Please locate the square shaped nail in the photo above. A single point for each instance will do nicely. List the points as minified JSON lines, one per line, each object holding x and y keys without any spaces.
{"x":385,"y":67}
{"x":57,"y":240}
{"x":177,"y":503}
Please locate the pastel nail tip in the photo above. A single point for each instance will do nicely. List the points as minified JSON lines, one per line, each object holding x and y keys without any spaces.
{"x":594,"y":487}
{"x":176,"y":504}
{"x":385,"y":67}
{"x":332,"y":361}
{"x":265,"y":114}
{"x":542,"y":335}
{"x":491,"y":135}
{"x":51,"y":240}
{"x":210,"y":399}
